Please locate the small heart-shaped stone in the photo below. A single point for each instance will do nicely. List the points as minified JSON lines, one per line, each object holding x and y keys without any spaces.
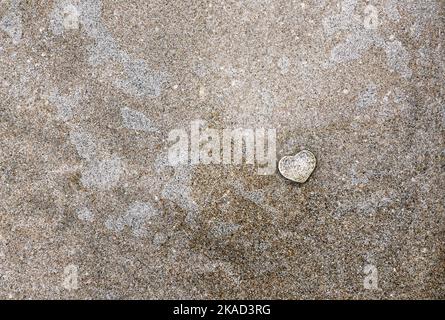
{"x":299,"y":167}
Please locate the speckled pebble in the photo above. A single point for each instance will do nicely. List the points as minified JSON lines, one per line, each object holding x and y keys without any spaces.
{"x":299,"y":167}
